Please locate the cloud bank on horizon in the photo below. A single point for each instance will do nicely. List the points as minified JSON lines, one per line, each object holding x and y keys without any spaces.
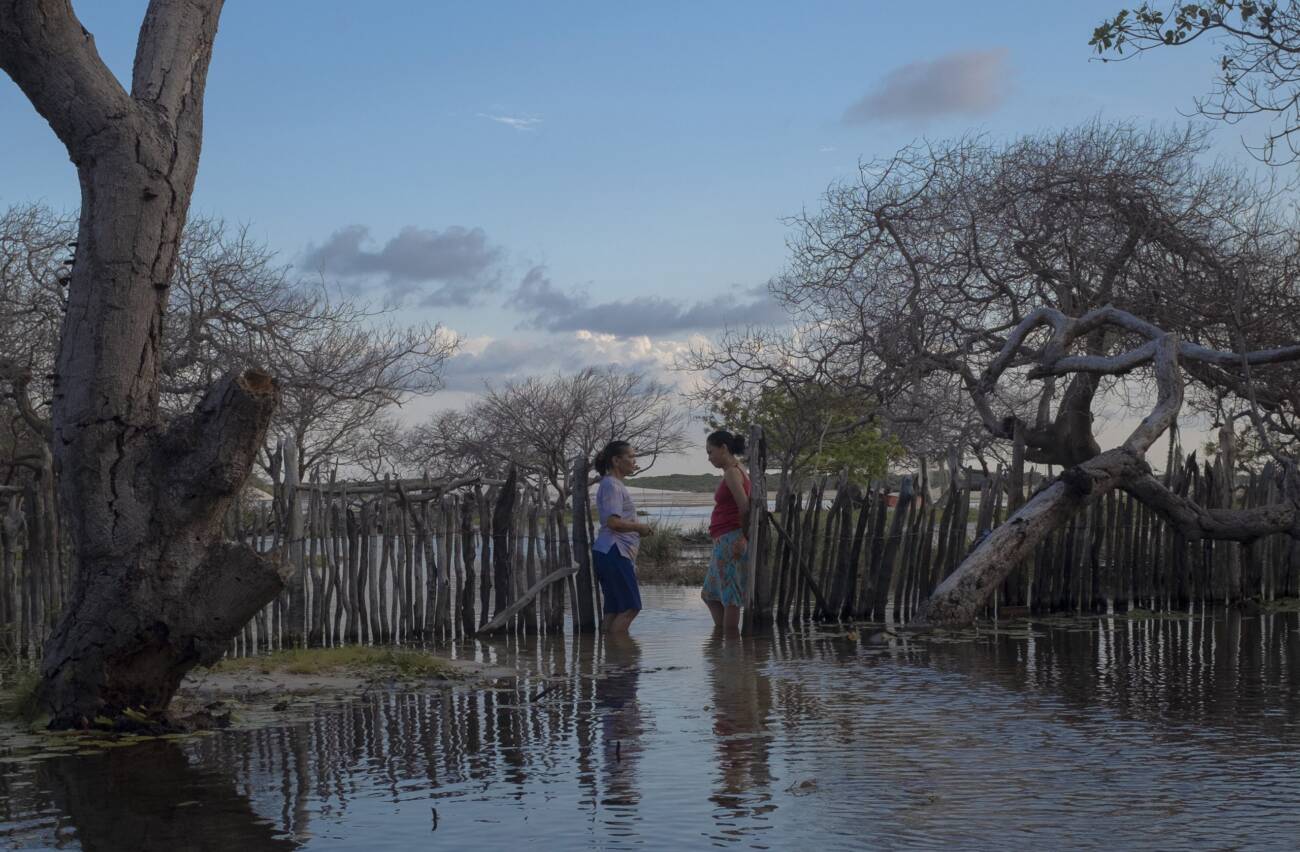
{"x":551,"y":309}
{"x":561,"y":329}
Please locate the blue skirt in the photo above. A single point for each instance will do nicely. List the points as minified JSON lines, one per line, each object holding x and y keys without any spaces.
{"x":617,"y":576}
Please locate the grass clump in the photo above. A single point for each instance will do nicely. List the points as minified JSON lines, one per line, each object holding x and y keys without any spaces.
{"x":18,"y":696}
{"x":663,"y":547}
{"x":662,"y":558}
{"x":407,"y":662}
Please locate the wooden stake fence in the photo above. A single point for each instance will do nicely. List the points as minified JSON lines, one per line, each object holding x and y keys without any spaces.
{"x":417,"y":560}
{"x":875,"y":555}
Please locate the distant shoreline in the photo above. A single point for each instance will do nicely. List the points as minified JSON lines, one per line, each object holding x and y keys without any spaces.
{"x":699,"y":483}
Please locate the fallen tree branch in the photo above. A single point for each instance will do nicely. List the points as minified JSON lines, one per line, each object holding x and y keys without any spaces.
{"x":525,"y":599}
{"x":1194,"y":521}
{"x":803,"y":569}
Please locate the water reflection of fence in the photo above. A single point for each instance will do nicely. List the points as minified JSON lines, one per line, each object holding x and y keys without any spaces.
{"x":623,"y":741}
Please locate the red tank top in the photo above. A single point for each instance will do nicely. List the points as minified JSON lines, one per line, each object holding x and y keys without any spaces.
{"x":726,"y":514}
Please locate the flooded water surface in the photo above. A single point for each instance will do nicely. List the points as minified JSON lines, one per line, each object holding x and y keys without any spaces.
{"x":1100,"y":732}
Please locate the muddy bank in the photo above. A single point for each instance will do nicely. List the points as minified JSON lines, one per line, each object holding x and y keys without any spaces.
{"x":276,"y":687}
{"x":253,"y":692}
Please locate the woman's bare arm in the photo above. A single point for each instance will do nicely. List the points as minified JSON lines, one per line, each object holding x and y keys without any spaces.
{"x":617,"y":524}
{"x":736,"y":485}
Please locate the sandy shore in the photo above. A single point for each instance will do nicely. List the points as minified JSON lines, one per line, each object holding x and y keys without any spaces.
{"x":249,"y":696}
{"x":259,"y":691}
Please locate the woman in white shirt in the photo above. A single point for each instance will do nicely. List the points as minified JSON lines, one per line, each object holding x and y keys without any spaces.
{"x":613,"y":553}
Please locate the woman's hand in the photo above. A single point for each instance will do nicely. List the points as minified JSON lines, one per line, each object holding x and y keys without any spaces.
{"x":739,"y":546}
{"x":646,"y":529}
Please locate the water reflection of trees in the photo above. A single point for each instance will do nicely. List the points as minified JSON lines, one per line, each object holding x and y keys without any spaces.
{"x":151,"y":797}
{"x":742,"y":701}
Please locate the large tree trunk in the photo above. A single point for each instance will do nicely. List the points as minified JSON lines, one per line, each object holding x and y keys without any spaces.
{"x":155,"y":589}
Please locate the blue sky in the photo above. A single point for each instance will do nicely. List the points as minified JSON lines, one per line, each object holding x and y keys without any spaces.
{"x":551,"y":179}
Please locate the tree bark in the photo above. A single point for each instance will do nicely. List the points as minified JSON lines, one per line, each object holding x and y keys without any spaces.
{"x":155,"y":589}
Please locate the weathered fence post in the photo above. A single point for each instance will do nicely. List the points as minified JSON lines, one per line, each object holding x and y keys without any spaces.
{"x":296,"y":618}
{"x":531,"y":565}
{"x":757,"y":591}
{"x":888,"y":578}
{"x":468,"y":547}
{"x":502,"y":521}
{"x":12,"y":528}
{"x":484,"y":502}
{"x":585,"y":607}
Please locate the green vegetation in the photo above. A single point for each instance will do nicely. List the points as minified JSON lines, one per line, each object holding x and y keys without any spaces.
{"x":819,"y":430}
{"x":662,"y":559}
{"x":698,"y":483}
{"x":18,"y":698}
{"x":662,"y":548}
{"x":406,"y":662}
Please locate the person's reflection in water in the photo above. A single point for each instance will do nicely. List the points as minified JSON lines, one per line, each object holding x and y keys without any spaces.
{"x":621,"y":724}
{"x":149,"y":796}
{"x":742,"y":698}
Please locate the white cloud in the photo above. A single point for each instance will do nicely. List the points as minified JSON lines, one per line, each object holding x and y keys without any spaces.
{"x":491,"y":359}
{"x":518,"y":122}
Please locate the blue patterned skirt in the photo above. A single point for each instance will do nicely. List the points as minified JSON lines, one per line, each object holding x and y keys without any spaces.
{"x":725,"y":581}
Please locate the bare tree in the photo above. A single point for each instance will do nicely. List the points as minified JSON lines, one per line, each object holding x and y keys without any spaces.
{"x":342,"y":375}
{"x":1259,"y":59}
{"x":918,"y":281}
{"x":907,"y":281}
{"x":155,"y":590}
{"x":35,"y":249}
{"x":541,"y":424}
{"x":340,"y":363}
{"x":378,"y":450}
{"x":961,"y":596}
{"x":451,"y":445}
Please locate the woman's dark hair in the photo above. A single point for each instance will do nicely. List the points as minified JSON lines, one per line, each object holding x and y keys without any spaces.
{"x":723,"y":438}
{"x":612,"y":450}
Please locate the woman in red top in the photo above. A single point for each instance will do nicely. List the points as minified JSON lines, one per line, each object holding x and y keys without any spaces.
{"x":724,"y":584}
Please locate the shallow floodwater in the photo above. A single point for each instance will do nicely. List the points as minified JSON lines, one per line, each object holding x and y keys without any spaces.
{"x":1099,"y":732}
